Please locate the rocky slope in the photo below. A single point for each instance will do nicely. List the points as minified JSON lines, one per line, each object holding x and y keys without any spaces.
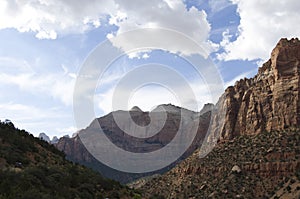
{"x":76,"y":151}
{"x":258,"y":145}
{"x":249,"y":166}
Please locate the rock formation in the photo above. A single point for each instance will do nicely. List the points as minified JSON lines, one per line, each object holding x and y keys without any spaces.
{"x":267,"y":102}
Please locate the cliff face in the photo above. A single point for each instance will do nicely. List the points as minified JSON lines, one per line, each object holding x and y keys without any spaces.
{"x":74,"y":149}
{"x":267,"y":102}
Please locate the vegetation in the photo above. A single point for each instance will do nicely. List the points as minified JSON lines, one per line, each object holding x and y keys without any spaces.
{"x":32,"y":168}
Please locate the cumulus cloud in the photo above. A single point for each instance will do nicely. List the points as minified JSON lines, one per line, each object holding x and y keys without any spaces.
{"x":262,"y":24}
{"x":166,"y":14}
{"x":48,"y":19}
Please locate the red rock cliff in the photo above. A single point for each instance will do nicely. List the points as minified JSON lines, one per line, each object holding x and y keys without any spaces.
{"x":269,"y":101}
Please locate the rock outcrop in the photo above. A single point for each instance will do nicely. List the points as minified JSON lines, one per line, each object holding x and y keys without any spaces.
{"x":45,"y":137}
{"x":267,"y":102}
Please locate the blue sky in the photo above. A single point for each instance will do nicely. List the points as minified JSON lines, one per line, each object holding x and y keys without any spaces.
{"x":44,"y":44}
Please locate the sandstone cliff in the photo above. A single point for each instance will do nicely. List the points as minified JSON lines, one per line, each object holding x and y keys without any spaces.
{"x":267,"y":102}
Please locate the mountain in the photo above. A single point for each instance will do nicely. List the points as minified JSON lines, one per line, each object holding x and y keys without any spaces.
{"x":136,"y":108}
{"x":76,"y":151}
{"x":54,"y":140}
{"x":258,"y":147}
{"x":44,"y":137}
{"x":32,"y":168}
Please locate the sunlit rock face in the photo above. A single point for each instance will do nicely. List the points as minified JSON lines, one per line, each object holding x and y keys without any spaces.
{"x":269,"y":101}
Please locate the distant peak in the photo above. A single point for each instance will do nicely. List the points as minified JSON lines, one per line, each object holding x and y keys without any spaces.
{"x":136,"y":108}
{"x":206,"y":108}
{"x":166,"y":107}
{"x":44,"y":136}
{"x":286,"y":51}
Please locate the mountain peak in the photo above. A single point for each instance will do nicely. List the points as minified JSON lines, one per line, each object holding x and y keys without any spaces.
{"x":286,"y":42}
{"x":136,"y":108}
{"x":284,"y":59}
{"x":166,"y":107}
{"x":44,"y":136}
{"x":206,"y":108}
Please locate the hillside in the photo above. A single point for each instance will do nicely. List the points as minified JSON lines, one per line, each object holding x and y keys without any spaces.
{"x":248,"y":166}
{"x":32,"y":168}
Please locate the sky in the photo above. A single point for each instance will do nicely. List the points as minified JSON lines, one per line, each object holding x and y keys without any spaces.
{"x":46,"y":44}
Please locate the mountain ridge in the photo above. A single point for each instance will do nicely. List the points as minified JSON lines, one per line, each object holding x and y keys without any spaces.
{"x":76,"y":151}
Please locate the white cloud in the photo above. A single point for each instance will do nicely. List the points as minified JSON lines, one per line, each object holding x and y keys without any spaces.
{"x":218,"y":5}
{"x":43,"y":34}
{"x":48,"y":19}
{"x":139,"y":54}
{"x":167,"y":14}
{"x":145,"y":56}
{"x":262,"y":24}
{"x":226,"y":38}
{"x":57,"y":85}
